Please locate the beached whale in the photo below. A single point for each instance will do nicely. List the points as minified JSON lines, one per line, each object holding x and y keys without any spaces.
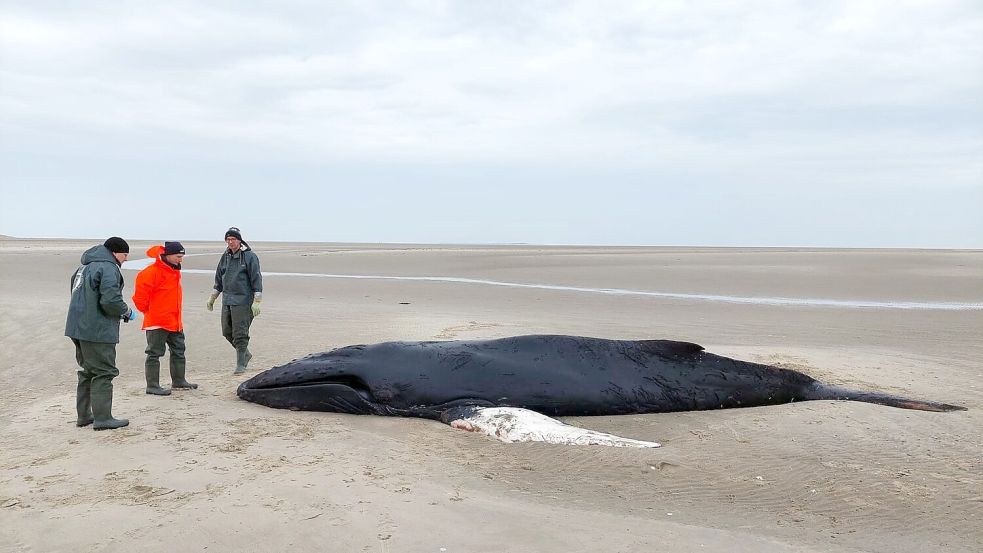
{"x":491,"y":385}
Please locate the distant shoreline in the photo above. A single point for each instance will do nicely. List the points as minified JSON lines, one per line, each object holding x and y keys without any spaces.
{"x":523,"y":245}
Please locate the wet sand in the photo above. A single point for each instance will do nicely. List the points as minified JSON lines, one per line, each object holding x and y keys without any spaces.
{"x":201,"y":469}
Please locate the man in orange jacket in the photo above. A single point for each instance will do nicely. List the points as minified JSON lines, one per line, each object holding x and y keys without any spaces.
{"x":158,"y":296}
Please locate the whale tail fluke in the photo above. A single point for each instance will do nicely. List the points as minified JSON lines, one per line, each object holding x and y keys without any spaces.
{"x":822,"y":391}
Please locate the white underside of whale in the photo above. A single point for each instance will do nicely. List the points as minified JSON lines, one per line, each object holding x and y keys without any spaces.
{"x":514,"y":424}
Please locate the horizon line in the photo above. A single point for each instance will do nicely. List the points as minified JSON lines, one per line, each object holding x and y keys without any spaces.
{"x":533,"y":244}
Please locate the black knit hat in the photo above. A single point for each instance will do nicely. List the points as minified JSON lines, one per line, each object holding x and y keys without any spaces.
{"x":116,"y":244}
{"x":233,"y":231}
{"x":171,"y":248}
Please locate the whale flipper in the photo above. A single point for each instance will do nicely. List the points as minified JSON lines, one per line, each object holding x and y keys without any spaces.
{"x":515,"y":424}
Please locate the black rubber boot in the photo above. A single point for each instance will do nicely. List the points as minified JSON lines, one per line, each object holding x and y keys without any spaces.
{"x":152,"y":372}
{"x":82,"y":401}
{"x":242,"y":358}
{"x":177,"y":375}
{"x":102,"y":407}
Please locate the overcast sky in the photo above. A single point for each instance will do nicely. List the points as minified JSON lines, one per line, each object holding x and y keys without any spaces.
{"x":841,"y":124}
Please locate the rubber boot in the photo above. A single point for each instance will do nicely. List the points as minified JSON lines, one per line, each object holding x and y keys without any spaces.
{"x":102,"y":407}
{"x":249,"y":358}
{"x":242,"y":357}
{"x":82,"y":402}
{"x":177,"y":375}
{"x":152,"y":372}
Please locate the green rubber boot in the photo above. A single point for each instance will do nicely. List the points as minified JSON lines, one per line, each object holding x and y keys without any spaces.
{"x":152,"y":371}
{"x":102,"y":407}
{"x":178,"y":367}
{"x":82,"y":401}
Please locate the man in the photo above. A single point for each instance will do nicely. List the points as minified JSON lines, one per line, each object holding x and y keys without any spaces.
{"x":240,"y":282}
{"x":159,"y":297}
{"x":94,"y":313}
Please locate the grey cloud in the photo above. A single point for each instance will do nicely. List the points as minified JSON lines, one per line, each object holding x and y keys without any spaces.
{"x":619,"y":105}
{"x":740,"y":117}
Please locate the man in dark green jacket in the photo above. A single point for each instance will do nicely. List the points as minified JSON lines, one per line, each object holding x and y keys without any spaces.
{"x":240,"y":282}
{"x":94,"y":313}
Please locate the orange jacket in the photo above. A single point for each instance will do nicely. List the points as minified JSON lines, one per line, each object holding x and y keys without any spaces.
{"x":158,"y":294}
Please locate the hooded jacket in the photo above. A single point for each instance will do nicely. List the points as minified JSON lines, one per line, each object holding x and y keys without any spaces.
{"x":238,"y":277}
{"x":157,"y":294}
{"x":97,"y":304}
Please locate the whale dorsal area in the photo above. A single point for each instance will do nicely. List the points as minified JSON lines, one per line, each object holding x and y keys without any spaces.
{"x":670,"y":348}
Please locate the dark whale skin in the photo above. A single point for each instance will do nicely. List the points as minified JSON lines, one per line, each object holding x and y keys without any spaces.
{"x":555,"y":375}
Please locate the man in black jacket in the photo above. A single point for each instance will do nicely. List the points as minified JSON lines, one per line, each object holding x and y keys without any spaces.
{"x":240,"y":282}
{"x":94,"y":313}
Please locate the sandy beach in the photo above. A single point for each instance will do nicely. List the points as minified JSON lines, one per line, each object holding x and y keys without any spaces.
{"x":204,"y":471}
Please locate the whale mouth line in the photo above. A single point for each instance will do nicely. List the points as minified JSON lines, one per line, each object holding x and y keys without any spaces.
{"x":354,"y":383}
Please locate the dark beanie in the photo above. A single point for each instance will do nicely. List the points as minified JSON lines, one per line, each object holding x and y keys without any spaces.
{"x":233,"y":231}
{"x":171,"y":248}
{"x":116,"y":244}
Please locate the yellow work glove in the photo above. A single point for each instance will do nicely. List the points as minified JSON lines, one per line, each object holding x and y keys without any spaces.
{"x":210,"y":304}
{"x":255,"y":307}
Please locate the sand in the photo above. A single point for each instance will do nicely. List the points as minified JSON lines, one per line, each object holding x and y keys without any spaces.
{"x":201,"y":470}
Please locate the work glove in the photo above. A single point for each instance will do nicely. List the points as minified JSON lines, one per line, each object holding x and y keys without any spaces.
{"x":210,"y":304}
{"x":255,"y":307}
{"x":130,"y":315}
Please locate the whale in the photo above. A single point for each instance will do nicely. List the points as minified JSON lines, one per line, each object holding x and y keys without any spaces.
{"x":492,"y":385}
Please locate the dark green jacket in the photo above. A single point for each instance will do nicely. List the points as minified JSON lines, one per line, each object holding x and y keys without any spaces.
{"x":97,"y":298}
{"x":237,"y":277}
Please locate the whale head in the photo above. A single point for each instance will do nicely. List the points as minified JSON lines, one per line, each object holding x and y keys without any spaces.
{"x":320,"y":382}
